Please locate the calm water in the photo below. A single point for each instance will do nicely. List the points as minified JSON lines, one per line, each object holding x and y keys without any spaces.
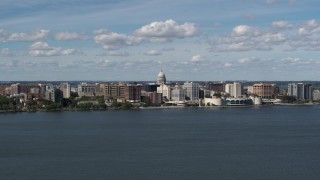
{"x":202,"y":143}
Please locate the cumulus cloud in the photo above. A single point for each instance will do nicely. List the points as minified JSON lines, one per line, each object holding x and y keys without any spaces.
{"x":118,"y":53}
{"x":34,"y":36}
{"x":112,"y":41}
{"x":227,"y":65}
{"x":153,"y":53}
{"x":6,"y":52}
{"x":196,"y":58}
{"x":281,"y":24}
{"x":272,"y":1}
{"x":166,"y":30}
{"x":43,"y":49}
{"x":70,"y":36}
{"x":162,"y":31}
{"x":3,"y":35}
{"x":249,"y":60}
{"x":304,"y":36}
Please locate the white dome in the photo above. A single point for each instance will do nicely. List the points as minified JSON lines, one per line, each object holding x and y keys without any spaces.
{"x":161,"y":79}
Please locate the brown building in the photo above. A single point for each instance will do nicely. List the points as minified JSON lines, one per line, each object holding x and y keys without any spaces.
{"x":132,"y":93}
{"x":217,"y":87}
{"x":114,"y":91}
{"x":156,"y":98}
{"x":264,"y":90}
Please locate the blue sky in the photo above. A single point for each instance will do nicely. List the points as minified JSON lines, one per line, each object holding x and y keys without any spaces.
{"x":208,"y":40}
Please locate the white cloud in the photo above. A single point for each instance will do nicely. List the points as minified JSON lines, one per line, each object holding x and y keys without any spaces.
{"x":281,"y":24}
{"x":112,"y":41}
{"x":249,"y":60}
{"x":6,"y":52}
{"x":228,"y":65}
{"x":43,"y":49}
{"x":153,"y":53}
{"x":196,"y":58}
{"x":70,"y":36}
{"x":34,"y":36}
{"x":118,"y":53}
{"x":3,"y":35}
{"x":166,"y":31}
{"x":272,"y":1}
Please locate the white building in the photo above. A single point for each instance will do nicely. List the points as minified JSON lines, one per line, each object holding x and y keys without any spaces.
{"x":300,"y":91}
{"x":316,"y":95}
{"x":191,"y":91}
{"x":66,"y":90}
{"x":234,"y":90}
{"x":177,"y":94}
{"x":161,"y":78}
{"x":165,"y":90}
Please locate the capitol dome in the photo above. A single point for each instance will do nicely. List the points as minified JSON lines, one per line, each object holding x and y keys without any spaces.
{"x":161,"y":79}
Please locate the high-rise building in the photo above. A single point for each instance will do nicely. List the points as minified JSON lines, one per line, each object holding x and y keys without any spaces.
{"x":132,"y":93}
{"x":316,"y":95}
{"x":234,"y":90}
{"x":114,"y":91}
{"x":300,"y":91}
{"x":66,"y":90}
{"x":177,"y":93}
{"x":165,"y":90}
{"x":264,"y":90}
{"x":191,"y":90}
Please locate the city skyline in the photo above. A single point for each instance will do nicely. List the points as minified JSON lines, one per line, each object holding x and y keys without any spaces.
{"x":132,"y":40}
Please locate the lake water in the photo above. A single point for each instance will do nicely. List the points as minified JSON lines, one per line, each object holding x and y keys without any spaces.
{"x":275,"y":142}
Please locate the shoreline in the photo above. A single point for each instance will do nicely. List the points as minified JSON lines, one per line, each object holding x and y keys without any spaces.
{"x":156,"y":107}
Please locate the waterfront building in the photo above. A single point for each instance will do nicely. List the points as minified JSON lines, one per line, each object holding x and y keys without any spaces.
{"x":90,"y":90}
{"x":132,"y":93}
{"x":114,"y":91}
{"x":165,"y":90}
{"x":264,"y":90}
{"x":300,"y":91}
{"x":177,"y":93}
{"x":217,"y":87}
{"x":234,"y":90}
{"x":231,"y":101}
{"x":191,"y":90}
{"x":155,"y":98}
{"x":54,"y":95}
{"x":316,"y":95}
{"x":66,"y":90}
{"x":150,"y":87}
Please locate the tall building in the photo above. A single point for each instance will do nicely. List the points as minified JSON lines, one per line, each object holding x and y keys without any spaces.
{"x":191,"y":90}
{"x":66,"y":90}
{"x":234,"y":90}
{"x":300,"y":91}
{"x":161,"y":78}
{"x":132,"y":93}
{"x":316,"y":95}
{"x":177,"y":93}
{"x":115,"y":91}
{"x":165,"y":90}
{"x":264,"y":90}
{"x":85,"y":89}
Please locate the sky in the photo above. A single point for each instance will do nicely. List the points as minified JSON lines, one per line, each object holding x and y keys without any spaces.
{"x":131,"y":40}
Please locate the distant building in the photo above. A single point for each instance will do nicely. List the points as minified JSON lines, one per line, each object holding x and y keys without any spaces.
{"x":165,"y":90}
{"x":150,"y":87}
{"x":54,"y":95}
{"x":132,"y":93}
{"x":234,"y":90}
{"x":316,"y":95}
{"x":191,"y":90}
{"x":300,"y":91}
{"x":156,"y":98}
{"x":66,"y":90}
{"x":90,"y":90}
{"x":114,"y":91}
{"x":177,"y":93}
{"x":264,"y":90}
{"x":217,"y":87}
{"x":161,"y":78}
